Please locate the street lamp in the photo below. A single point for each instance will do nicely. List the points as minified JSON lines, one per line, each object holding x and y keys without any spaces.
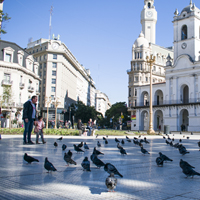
{"x":47,"y":101}
{"x":56,"y":102}
{"x":150,"y":61}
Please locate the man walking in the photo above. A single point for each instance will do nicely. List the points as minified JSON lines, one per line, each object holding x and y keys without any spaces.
{"x":29,"y":117}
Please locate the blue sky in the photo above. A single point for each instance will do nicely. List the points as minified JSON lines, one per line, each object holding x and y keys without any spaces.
{"x":100,"y":33}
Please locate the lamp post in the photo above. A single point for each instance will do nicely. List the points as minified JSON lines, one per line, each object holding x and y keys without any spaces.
{"x":56,"y":102}
{"x":150,"y":61}
{"x":48,"y":101}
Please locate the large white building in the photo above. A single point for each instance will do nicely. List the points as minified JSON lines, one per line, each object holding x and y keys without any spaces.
{"x":176,"y":91}
{"x":19,"y":71}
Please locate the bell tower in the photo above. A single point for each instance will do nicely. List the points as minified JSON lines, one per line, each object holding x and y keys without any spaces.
{"x":149,"y":20}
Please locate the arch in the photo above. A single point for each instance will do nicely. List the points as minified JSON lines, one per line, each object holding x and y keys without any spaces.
{"x":184,"y":32}
{"x":184,"y":120}
{"x":158,"y":121}
{"x":144,"y":122}
{"x":158,"y":97}
{"x":184,"y":94}
{"x":145,"y":98}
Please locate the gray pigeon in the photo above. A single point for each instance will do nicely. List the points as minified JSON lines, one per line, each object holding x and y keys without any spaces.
{"x":97,"y":161}
{"x":116,"y":140}
{"x":68,"y":159}
{"x":69,"y":153}
{"x":98,"y":144}
{"x":164,"y":157}
{"x":183,"y":164}
{"x":123,"y":151}
{"x":86,"y":164}
{"x":29,"y":159}
{"x":80,"y":145}
{"x":111,"y":182}
{"x":159,"y":161}
{"x":182,"y":150}
{"x":95,"y":151}
{"x":111,"y":169}
{"x":55,"y":144}
{"x":118,"y":146}
{"x":144,"y":151}
{"x":49,"y":166}
{"x":64,"y":147}
{"x":77,"y":149}
{"x":106,"y":141}
{"x":86,"y":146}
{"x":60,"y":138}
{"x":189,"y":172}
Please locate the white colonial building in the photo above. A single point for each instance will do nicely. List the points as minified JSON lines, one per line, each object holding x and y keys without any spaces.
{"x":176,"y":93}
{"x":19,"y":71}
{"x":102,"y":102}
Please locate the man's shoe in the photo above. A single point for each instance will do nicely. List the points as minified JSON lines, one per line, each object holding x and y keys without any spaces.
{"x":24,"y":142}
{"x":31,"y":142}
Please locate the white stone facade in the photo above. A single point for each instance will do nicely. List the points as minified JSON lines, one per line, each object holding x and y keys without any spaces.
{"x":176,"y":101}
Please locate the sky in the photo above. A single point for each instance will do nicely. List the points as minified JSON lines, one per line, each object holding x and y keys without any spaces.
{"x":99,"y":33}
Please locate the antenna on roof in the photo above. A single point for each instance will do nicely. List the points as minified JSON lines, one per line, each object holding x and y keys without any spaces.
{"x":30,"y":40}
{"x":51,"y":12}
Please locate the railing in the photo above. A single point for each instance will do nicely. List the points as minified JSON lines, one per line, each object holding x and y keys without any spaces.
{"x":31,"y":89}
{"x":146,"y":70}
{"x":6,"y":82}
{"x":166,"y":102}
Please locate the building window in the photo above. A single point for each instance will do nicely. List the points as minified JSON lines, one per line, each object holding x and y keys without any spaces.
{"x":146,"y":79}
{"x":54,"y":65}
{"x":55,"y":56}
{"x":184,"y":32}
{"x":129,"y":92}
{"x":140,"y":55}
{"x":135,"y":55}
{"x":154,"y":68}
{"x":45,"y":56}
{"x":53,"y":73}
{"x":53,"y":81}
{"x":135,"y":92}
{"x":53,"y":89}
{"x":7,"y":77}
{"x":136,"y":79}
{"x":41,"y":49}
{"x":45,"y":65}
{"x":37,"y":50}
{"x":40,"y":58}
{"x":52,"y":97}
{"x":8,"y":57}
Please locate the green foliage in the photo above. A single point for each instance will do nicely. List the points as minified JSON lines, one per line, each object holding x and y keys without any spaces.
{"x":7,"y":95}
{"x":84,"y":112}
{"x":3,"y":18}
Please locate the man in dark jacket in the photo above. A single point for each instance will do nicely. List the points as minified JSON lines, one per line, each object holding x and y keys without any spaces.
{"x":29,"y":117}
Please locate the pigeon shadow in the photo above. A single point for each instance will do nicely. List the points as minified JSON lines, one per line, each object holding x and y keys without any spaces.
{"x":94,"y":190}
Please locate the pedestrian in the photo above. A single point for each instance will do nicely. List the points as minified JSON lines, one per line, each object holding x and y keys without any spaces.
{"x":89,"y":126}
{"x":69,"y":124}
{"x":29,"y":117}
{"x":39,"y":130}
{"x":80,"y":127}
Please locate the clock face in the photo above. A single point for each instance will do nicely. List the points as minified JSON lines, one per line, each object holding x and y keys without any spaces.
{"x":149,"y":14}
{"x":55,"y":45}
{"x":184,"y":45}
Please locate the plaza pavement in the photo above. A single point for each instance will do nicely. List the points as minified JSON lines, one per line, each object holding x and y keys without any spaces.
{"x":142,"y":179}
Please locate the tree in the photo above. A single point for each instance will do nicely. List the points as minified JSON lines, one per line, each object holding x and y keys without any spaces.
{"x":3,"y":18}
{"x":115,"y":112}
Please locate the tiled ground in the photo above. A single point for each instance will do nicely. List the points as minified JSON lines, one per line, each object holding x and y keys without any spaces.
{"x":142,"y":178}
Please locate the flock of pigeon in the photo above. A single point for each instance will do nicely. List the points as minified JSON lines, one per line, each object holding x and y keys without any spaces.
{"x":111,"y":180}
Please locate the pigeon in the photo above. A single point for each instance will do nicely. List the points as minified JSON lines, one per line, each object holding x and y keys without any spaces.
{"x":118,"y":146}
{"x":183,"y":164}
{"x":199,"y":145}
{"x":80,"y":145}
{"x":122,"y":142}
{"x":159,"y":161}
{"x":104,"y":138}
{"x":96,"y":152}
{"x":60,"y":138}
{"x":97,"y":136}
{"x":86,"y":164}
{"x":141,"y":140}
{"x":173,"y":139}
{"x":171,"y":144}
{"x":164,"y":137}
{"x":189,"y":172}
{"x":116,"y":140}
{"x":98,"y":144}
{"x":107,"y":136}
{"x":188,"y":138}
{"x":135,"y":142}
{"x":139,"y":135}
{"x":140,"y":144}
{"x":164,"y":157}
{"x":167,"y":142}
{"x":55,"y":144}
{"x":106,"y":141}
{"x":180,"y":132}
{"x":135,"y":138}
{"x":128,"y":140}
{"x":144,"y":151}
{"x":180,"y":140}
{"x":111,"y":182}
{"x":182,"y":150}
{"x":64,"y":147}
{"x":68,"y":159}
{"x":97,"y":161}
{"x":86,"y":146}
{"x":69,"y":153}
{"x":77,"y":149}
{"x":123,"y":151}
{"x":111,"y":169}
{"x":145,"y":140}
{"x":49,"y":166}
{"x":30,"y":159}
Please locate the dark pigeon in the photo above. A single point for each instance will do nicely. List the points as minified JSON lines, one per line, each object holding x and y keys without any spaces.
{"x":69,"y":153}
{"x":80,"y":145}
{"x":49,"y":166}
{"x":182,"y":150}
{"x":199,"y":145}
{"x":55,"y":144}
{"x":111,"y":169}
{"x":106,"y":141}
{"x":123,"y":151}
{"x":60,"y":138}
{"x":127,"y":138}
{"x":30,"y":159}
{"x":167,"y":142}
{"x":86,"y":164}
{"x":116,"y":140}
{"x":144,"y":151}
{"x":64,"y":147}
{"x":104,"y":138}
{"x":97,"y":161}
{"x":159,"y":161}
{"x":97,"y":136}
{"x":86,"y":146}
{"x":180,"y":140}
{"x":98,"y":144}
{"x":111,"y":182}
{"x":183,"y":164}
{"x":96,"y":152}
{"x":77,"y":149}
{"x":189,"y":172}
{"x":122,"y":141}
{"x":118,"y":146}
{"x":68,"y":159}
{"x":164,"y":157}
